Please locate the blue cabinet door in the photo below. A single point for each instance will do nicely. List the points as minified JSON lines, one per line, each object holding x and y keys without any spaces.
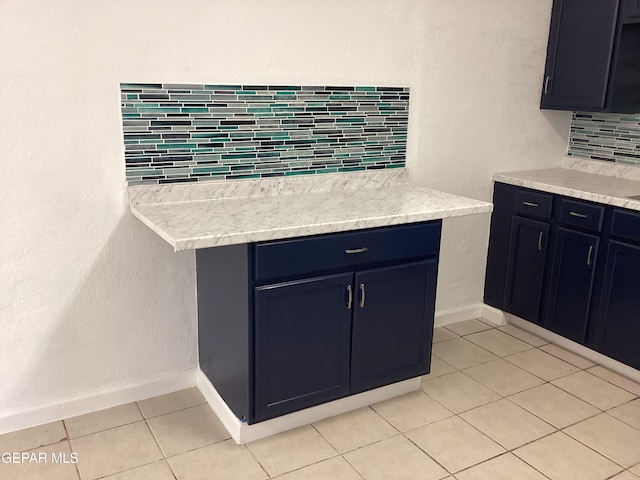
{"x":392,"y":324}
{"x":525,"y":267}
{"x":618,"y":327}
{"x":302,"y":344}
{"x":571,"y":286}
{"x":579,"y":54}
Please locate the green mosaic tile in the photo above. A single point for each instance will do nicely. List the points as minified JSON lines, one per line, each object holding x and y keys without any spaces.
{"x":266,"y":131}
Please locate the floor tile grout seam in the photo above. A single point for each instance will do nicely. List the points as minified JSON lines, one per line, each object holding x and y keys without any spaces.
{"x":264,"y":469}
{"x":157,"y":442}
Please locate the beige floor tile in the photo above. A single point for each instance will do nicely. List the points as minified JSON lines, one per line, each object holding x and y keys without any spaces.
{"x":291,"y":450}
{"x":616,"y":379}
{"x":332,"y":469}
{"x":41,"y":465}
{"x":461,"y":353}
{"x":567,"y":356}
{"x":593,"y":390}
{"x":115,"y":450}
{"x":438,"y":368}
{"x":467,"y":327}
{"x":628,"y":413}
{"x":626,"y":475}
{"x":440,"y":334}
{"x":458,"y":392}
{"x":171,"y":402}
{"x":395,"y":458}
{"x":507,"y":423}
{"x":560,"y":457}
{"x":498,"y":343}
{"x":34,"y":437}
{"x":354,"y":429}
{"x":610,"y":437}
{"x":635,"y":469}
{"x":184,"y":430}
{"x":221,"y":461}
{"x":152,"y":471}
{"x":541,"y":364}
{"x":503,"y":377}
{"x":554,"y":405}
{"x":520,"y":334}
{"x":455,"y":444}
{"x":504,"y":467}
{"x":411,"y":410}
{"x":102,"y":420}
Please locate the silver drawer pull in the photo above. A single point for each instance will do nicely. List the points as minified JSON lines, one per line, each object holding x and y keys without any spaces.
{"x":589,"y":255}
{"x":350,"y":299}
{"x":576,"y":214}
{"x":351,"y":251}
{"x":540,"y":242}
{"x":362,"y":295}
{"x":530,"y":204}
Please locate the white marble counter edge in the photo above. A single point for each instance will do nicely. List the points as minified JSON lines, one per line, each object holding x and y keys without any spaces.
{"x":513,"y":179}
{"x":306,"y":230}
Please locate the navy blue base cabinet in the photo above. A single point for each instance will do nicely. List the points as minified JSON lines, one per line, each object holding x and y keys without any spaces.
{"x":286,"y":325}
{"x":585,"y":285}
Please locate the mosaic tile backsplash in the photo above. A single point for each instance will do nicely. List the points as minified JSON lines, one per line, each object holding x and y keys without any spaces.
{"x":605,"y":136}
{"x":189,"y":133}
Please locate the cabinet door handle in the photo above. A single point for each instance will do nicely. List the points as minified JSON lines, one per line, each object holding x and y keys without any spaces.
{"x":530,"y":204}
{"x":351,"y":251}
{"x":540,"y":242}
{"x":362,"y":295}
{"x":350,"y":296}
{"x":576,"y":214}
{"x":589,"y":255}
{"x":546,"y":85}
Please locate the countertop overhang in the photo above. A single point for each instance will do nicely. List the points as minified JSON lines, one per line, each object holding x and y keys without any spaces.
{"x":594,"y":187}
{"x":212,"y":222}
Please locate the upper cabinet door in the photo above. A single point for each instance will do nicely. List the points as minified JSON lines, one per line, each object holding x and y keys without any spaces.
{"x":579,"y":54}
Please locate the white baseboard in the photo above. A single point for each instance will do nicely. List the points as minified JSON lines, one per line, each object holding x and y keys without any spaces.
{"x":243,"y":432}
{"x":454,"y":315}
{"x":586,"y":352}
{"x":82,"y":404}
{"x":494,"y":315}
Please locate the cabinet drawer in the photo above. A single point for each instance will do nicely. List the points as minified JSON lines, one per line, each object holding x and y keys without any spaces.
{"x":626,"y":225}
{"x":581,"y":214}
{"x":310,"y":255}
{"x":533,"y":204}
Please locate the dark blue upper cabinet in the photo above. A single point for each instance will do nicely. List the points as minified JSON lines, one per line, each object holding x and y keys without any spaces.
{"x":392,"y":324}
{"x":579,"y":54}
{"x":593,"y":56}
{"x":302,"y":344}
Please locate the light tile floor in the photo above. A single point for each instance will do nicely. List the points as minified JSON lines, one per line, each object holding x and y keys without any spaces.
{"x":499,"y":403}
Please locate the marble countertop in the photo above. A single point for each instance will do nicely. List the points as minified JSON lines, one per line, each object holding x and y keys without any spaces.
{"x":594,"y":187}
{"x":202,"y":223}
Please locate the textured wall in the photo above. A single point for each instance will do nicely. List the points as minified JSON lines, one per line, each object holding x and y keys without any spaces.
{"x":90,"y":299}
{"x":475,"y":112}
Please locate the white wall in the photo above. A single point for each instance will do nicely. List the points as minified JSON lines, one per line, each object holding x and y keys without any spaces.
{"x":476,"y":112}
{"x":90,"y":299}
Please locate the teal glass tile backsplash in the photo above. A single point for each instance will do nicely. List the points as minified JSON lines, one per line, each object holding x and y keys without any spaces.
{"x":605,"y":136}
{"x":189,"y":133}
